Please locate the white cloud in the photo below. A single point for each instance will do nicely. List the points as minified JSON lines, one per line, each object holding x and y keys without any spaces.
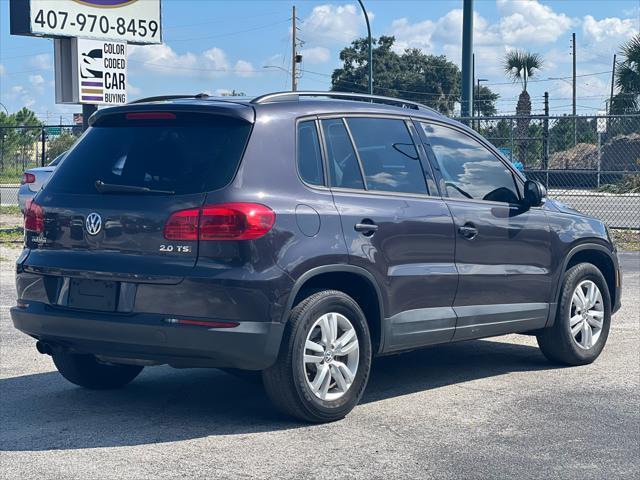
{"x":609,"y":30}
{"x":446,"y":30}
{"x":333,"y":24}
{"x":25,"y":97}
{"x":36,"y":80}
{"x":244,"y":69}
{"x":133,"y":90}
{"x":315,"y":55}
{"x":43,"y":61}
{"x":2,"y":70}
{"x":162,"y":59}
{"x":531,"y":22}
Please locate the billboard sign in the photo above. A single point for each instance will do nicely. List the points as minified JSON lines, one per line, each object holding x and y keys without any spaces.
{"x":91,"y":71}
{"x":102,"y":72}
{"x":132,"y":21}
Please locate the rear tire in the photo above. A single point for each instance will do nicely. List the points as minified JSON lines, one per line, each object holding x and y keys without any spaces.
{"x":581,"y":327}
{"x":324,"y":360}
{"x":87,"y":372}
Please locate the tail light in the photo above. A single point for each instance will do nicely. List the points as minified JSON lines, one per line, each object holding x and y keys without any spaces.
{"x":28,"y":178}
{"x":228,"y":221}
{"x":34,"y":217}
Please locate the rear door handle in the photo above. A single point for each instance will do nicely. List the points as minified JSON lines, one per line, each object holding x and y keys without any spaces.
{"x":366,"y":228}
{"x":468,"y":231}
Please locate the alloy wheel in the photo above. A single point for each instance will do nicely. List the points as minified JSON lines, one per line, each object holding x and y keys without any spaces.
{"x":331,"y":356}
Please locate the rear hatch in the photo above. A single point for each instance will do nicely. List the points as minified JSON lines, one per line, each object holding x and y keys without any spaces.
{"x":105,"y":208}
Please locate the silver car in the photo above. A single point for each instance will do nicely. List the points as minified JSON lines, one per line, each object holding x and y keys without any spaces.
{"x":34,"y":179}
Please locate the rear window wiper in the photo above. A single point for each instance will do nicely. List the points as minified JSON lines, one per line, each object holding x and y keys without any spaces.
{"x":115,"y":188}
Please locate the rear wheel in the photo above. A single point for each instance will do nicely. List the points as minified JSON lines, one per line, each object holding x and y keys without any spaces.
{"x":583,"y":318}
{"x":87,"y":372}
{"x":324,"y":360}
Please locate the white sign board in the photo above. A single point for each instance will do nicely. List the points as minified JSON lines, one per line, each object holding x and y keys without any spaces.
{"x":601,"y":125}
{"x":102,"y":72}
{"x":132,"y":21}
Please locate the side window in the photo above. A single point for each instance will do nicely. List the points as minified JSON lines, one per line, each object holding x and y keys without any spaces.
{"x":309,"y":156}
{"x":344,"y":170}
{"x":468,"y":168}
{"x":389,"y":158}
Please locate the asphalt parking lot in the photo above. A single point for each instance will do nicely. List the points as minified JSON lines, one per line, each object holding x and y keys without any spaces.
{"x":483,"y":409}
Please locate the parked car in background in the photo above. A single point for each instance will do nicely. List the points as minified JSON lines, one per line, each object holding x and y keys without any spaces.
{"x":299,"y":236}
{"x":34,"y":179}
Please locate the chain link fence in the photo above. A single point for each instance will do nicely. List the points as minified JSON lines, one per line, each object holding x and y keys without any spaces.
{"x":22,"y":148}
{"x":591,"y":163}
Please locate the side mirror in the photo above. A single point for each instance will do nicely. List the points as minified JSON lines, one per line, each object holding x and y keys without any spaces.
{"x":534,"y":193}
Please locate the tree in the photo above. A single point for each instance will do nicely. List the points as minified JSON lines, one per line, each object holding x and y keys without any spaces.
{"x":60,"y":144}
{"x":520,"y":66}
{"x":485,"y":101}
{"x":628,"y":79}
{"x":412,"y":75}
{"x":17,"y":144}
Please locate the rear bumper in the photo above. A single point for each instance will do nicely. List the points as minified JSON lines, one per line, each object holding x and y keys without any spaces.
{"x":250,"y":345}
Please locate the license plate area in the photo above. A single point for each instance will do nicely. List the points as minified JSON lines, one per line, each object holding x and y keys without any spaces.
{"x":93,"y":295}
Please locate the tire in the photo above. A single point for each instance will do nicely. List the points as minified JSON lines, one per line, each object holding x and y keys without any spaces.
{"x":87,"y":372}
{"x":558,"y":343}
{"x":289,"y":382}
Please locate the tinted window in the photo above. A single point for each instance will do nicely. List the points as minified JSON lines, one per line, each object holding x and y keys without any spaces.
{"x":469,"y":169}
{"x":388,"y":155}
{"x":309,"y":156}
{"x":189,"y":154}
{"x":343,"y":163}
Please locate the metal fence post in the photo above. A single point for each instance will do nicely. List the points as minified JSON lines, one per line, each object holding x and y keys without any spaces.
{"x":599,"y":154}
{"x":511,"y":138}
{"x":42,"y":153}
{"x":545,"y":138}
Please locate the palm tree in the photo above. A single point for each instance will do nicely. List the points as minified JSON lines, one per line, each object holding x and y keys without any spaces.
{"x":520,"y":66}
{"x":628,"y":78}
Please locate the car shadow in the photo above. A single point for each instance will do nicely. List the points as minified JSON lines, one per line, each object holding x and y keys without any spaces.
{"x":44,"y":412}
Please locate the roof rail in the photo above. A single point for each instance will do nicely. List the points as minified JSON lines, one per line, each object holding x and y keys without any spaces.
{"x":295,"y":96}
{"x":168,"y":97}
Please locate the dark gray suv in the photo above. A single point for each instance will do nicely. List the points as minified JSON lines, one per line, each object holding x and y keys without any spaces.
{"x":299,"y":234}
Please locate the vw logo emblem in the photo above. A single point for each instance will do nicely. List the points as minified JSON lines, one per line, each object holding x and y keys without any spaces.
{"x":93,"y":223}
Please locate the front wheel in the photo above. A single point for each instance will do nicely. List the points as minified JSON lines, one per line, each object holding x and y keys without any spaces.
{"x":87,"y":372}
{"x":324,"y":360}
{"x":583,"y":318}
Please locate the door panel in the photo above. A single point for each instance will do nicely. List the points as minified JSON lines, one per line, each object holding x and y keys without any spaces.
{"x":393,"y":229}
{"x":412,"y":256}
{"x":503,"y":255}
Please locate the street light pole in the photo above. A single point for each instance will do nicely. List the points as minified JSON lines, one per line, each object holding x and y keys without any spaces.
{"x":366,"y":18}
{"x":466,"y":105}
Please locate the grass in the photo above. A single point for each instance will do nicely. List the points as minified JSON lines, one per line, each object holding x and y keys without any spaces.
{"x":628,"y":240}
{"x":10,"y":177}
{"x":10,"y":210}
{"x":11,"y":235}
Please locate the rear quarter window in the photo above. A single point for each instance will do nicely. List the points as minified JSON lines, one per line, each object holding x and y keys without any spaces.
{"x":191,"y":153}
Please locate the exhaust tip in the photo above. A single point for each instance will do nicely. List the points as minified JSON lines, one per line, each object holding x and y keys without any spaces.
{"x":43,"y":348}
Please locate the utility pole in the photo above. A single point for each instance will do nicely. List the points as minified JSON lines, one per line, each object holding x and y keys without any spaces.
{"x":467,"y":59}
{"x":575,"y":125}
{"x":294,"y":53}
{"x":613,"y":79}
{"x":370,"y":63}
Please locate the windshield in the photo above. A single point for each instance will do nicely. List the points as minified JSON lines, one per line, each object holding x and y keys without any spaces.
{"x":187,"y":154}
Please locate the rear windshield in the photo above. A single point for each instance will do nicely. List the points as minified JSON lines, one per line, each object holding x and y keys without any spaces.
{"x":187,"y":154}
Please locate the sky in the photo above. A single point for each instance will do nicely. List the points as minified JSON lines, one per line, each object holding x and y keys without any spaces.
{"x":216,"y":46}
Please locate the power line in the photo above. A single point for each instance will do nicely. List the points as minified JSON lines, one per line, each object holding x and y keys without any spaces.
{"x":228,"y":34}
